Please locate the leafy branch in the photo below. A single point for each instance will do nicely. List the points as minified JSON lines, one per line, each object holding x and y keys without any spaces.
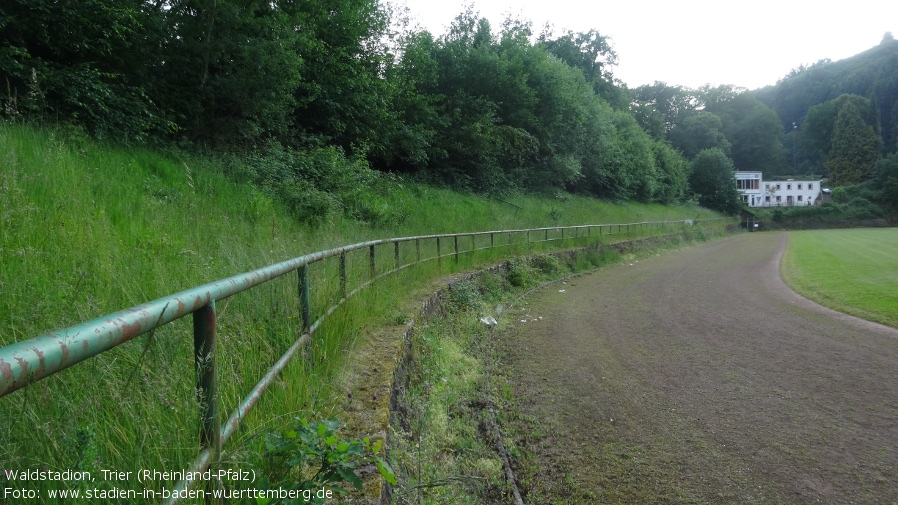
{"x":311,"y":456}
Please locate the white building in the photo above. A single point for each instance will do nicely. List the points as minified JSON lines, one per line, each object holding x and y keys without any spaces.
{"x":756,"y":192}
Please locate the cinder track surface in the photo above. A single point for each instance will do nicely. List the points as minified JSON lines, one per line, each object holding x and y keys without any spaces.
{"x":697,"y":376}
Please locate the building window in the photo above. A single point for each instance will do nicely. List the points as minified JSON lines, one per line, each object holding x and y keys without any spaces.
{"x":777,"y":187}
{"x":788,"y":199}
{"x":747,"y":184}
{"x":788,"y":186}
{"x":799,"y":187}
{"x":810,"y":185}
{"x":767,"y":198}
{"x":779,"y":199}
{"x":799,"y":197}
{"x":767,"y":186}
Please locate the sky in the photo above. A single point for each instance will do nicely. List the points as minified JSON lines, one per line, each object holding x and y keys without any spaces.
{"x":695,"y":42}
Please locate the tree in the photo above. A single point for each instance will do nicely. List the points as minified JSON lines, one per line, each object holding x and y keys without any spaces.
{"x":698,"y":132}
{"x":592,"y":54}
{"x":619,"y":160}
{"x":650,"y":120}
{"x":753,"y":130}
{"x":817,"y":128}
{"x":855,"y":147}
{"x":717,"y":98}
{"x":85,"y":63}
{"x":228,"y":70}
{"x":672,"y":172}
{"x":885,"y":174}
{"x":712,"y":179}
{"x":409,"y":144}
{"x":342,"y":97}
{"x":757,"y":141}
{"x":480,"y":106}
{"x":673,"y":103}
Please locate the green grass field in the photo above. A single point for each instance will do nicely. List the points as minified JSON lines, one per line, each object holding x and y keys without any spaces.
{"x":853,"y":271}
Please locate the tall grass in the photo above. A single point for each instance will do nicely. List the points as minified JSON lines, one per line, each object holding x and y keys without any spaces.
{"x":86,"y":230}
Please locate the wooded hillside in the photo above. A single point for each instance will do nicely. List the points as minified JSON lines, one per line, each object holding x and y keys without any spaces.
{"x":829,"y":107}
{"x":295,"y":89}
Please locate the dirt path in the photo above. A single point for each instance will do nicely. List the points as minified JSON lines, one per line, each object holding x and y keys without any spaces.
{"x":697,"y":376}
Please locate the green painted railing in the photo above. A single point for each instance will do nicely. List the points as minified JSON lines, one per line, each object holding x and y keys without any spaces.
{"x":29,"y":361}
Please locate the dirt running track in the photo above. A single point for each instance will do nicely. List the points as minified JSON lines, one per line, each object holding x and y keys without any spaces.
{"x":697,"y":376}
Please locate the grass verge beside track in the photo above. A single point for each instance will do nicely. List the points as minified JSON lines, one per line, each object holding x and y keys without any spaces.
{"x":443,"y":442}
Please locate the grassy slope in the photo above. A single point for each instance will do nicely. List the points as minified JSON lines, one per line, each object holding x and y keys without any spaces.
{"x":853,"y":271}
{"x":87,"y":230}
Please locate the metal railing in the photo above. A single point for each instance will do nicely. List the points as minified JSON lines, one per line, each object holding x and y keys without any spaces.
{"x":29,"y":361}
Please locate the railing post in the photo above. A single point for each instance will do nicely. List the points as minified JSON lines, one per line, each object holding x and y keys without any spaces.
{"x":205,"y":353}
{"x":473,"y":244}
{"x":396,"y":253}
{"x":492,"y":243}
{"x":304,"y":305}
{"x":373,"y":264}
{"x":342,"y":274}
{"x":547,"y":235}
{"x":528,"y":236}
{"x":455,"y":237}
{"x":418,"y":250}
{"x":439,"y":256}
{"x":562,"y":234}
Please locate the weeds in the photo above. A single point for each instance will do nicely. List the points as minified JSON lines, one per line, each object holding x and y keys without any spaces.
{"x":311,"y":457}
{"x":444,"y":447}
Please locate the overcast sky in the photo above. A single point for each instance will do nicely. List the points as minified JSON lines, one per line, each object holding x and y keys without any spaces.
{"x":696,"y":42}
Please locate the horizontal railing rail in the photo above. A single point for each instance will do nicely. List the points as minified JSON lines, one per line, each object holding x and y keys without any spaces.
{"x":25,"y":362}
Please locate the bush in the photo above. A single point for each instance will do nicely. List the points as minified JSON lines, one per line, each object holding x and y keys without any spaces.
{"x":519,"y":273}
{"x":318,"y":184}
{"x":856,"y":204}
{"x":464,"y":295}
{"x":546,"y":264}
{"x":307,"y":204}
{"x":492,"y":286}
{"x":861,"y":209}
{"x":840,"y":194}
{"x":310,"y":457}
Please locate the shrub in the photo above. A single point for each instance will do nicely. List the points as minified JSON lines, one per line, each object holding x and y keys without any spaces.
{"x":318,"y":184}
{"x":311,"y":457}
{"x":491,"y":286}
{"x":464,"y":295}
{"x":308,"y":204}
{"x":519,"y":273}
{"x":861,"y":208}
{"x":545,"y":264}
{"x":840,"y":194}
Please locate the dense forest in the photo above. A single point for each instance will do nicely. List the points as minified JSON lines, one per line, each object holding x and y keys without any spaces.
{"x":305,"y":98}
